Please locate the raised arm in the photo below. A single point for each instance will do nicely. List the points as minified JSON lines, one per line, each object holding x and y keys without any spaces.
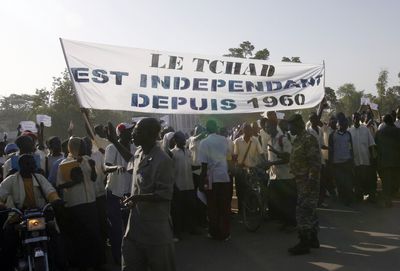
{"x":112,"y":137}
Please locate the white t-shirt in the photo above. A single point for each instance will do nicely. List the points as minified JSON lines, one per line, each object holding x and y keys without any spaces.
{"x":7,"y":167}
{"x":42,"y":155}
{"x":362,"y":140}
{"x":326,"y":131}
{"x":2,"y":160}
{"x":254,"y":153}
{"x":98,"y":158}
{"x":213,"y":151}
{"x":265,"y":138}
{"x":12,"y":190}
{"x":100,"y":143}
{"x":193,"y":146}
{"x":80,"y":193}
{"x":118,"y":183}
{"x":182,"y":169}
{"x":279,"y":172}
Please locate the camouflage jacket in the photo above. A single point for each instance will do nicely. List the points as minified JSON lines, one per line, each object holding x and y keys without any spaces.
{"x":305,"y":159}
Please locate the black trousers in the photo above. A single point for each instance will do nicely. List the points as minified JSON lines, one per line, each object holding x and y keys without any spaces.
{"x":282,"y":200}
{"x":327,"y":182}
{"x":84,"y":242}
{"x":200,"y":207}
{"x":219,"y":207}
{"x":390,"y":180}
{"x":102,"y":218}
{"x":364,"y":181}
{"x":183,"y":211}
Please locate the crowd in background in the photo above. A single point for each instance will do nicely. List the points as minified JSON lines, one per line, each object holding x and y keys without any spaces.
{"x":207,"y":170}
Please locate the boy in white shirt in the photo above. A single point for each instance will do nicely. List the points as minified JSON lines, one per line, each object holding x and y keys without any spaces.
{"x":183,"y":201}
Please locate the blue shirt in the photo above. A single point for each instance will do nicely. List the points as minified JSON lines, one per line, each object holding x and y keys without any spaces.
{"x":53,"y":171}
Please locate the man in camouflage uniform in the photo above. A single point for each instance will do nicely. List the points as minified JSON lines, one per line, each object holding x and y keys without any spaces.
{"x":305,"y":164}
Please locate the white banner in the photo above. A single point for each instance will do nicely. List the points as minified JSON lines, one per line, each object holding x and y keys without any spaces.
{"x":121,"y":78}
{"x":45,"y":119}
{"x":27,"y":125}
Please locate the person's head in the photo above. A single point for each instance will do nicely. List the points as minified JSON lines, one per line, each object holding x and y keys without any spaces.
{"x":333,"y":122}
{"x":283,"y":125}
{"x":166,"y":130}
{"x":247,"y":130}
{"x":25,"y":144}
{"x":10,"y":148}
{"x":356,"y":119}
{"x":146,"y":132}
{"x":363,"y":116}
{"x":54,"y":145}
{"x":31,"y":135}
{"x":64,"y":147}
{"x":223,"y":131}
{"x":271,"y":128}
{"x":255,"y":127}
{"x":180,"y":139}
{"x":211,"y":126}
{"x":100,"y":131}
{"x":124,"y":131}
{"x":168,"y":141}
{"x":388,"y":120}
{"x":88,"y":145}
{"x":27,"y":165}
{"x":343,"y":124}
{"x":313,"y":118}
{"x":263,"y":123}
{"x":370,"y":116}
{"x":271,"y":115}
{"x":340,"y":116}
{"x":75,"y":146}
{"x":83,"y":149}
{"x":296,"y":124}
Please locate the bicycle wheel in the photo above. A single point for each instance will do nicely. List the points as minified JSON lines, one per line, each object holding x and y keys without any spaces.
{"x":252,"y":211}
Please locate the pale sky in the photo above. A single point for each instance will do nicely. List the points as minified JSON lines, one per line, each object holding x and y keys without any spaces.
{"x":356,"y":38}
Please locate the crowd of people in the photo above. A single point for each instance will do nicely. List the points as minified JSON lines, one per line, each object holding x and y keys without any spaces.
{"x":138,"y":187}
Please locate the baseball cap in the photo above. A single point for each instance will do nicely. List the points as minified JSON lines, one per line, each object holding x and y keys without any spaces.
{"x":122,"y":127}
{"x":9,"y":148}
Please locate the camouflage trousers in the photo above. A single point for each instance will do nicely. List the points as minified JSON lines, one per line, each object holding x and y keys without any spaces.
{"x":307,"y":203}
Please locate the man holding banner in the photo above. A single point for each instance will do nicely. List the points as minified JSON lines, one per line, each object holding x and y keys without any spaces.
{"x":148,"y":242}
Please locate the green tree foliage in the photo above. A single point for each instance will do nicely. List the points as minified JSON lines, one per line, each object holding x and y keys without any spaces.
{"x":388,"y":97}
{"x":294,"y":59}
{"x":15,"y":108}
{"x":261,"y":54}
{"x":381,"y":85}
{"x":60,"y":103}
{"x":331,"y":98}
{"x":349,"y":99}
{"x":245,"y":50}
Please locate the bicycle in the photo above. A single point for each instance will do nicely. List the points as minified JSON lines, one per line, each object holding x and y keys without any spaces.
{"x":254,"y":204}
